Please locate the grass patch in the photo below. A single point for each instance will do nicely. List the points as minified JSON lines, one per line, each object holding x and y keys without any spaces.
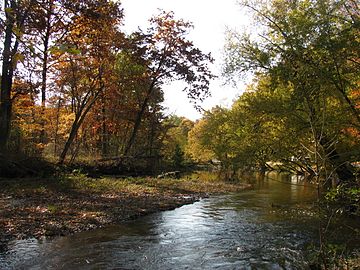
{"x":198,"y":182}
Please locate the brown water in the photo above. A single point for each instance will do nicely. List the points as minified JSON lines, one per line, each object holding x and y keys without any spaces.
{"x":269,"y":227}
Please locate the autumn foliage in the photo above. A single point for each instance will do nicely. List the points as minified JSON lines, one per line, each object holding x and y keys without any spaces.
{"x":76,"y":87}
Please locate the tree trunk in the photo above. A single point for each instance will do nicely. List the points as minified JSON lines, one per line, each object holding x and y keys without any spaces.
{"x":9,"y":62}
{"x":343,"y":170}
{"x":138,"y":119}
{"x":74,"y":129}
{"x":79,"y":119}
{"x":104,"y":135}
{"x":136,"y":126}
{"x":6,"y":82}
{"x":44,"y":78}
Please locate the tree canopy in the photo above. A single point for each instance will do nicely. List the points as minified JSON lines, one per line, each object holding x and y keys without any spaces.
{"x":74,"y":85}
{"x":302,"y":110}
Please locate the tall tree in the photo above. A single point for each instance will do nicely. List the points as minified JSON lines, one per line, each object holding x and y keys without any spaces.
{"x":48,"y":23}
{"x":169,"y":56}
{"x":87,"y":54}
{"x":13,"y":19}
{"x":311,"y":46}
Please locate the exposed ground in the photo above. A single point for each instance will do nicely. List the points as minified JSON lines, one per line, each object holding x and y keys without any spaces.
{"x":61,"y":206}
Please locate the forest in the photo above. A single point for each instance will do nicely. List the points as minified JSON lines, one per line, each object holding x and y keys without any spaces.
{"x":301,"y":113}
{"x":81,"y":95}
{"x":74,"y":87}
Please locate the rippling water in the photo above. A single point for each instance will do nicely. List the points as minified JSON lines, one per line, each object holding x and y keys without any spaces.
{"x":268,"y":227}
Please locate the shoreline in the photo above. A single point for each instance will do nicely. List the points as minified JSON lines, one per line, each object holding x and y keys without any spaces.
{"x":38,"y":208}
{"x":51,"y":225}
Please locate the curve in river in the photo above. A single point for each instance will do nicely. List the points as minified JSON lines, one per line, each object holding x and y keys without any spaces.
{"x":268,"y":227}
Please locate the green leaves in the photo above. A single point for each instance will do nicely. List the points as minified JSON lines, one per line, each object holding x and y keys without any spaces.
{"x":64,"y":48}
{"x":345,"y":198}
{"x":303,"y":77}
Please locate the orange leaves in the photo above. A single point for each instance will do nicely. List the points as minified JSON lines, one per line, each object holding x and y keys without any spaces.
{"x":355,"y":95}
{"x":96,"y":84}
{"x":354,"y":133}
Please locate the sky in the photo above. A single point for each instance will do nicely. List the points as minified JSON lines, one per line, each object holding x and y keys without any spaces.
{"x":210,"y":19}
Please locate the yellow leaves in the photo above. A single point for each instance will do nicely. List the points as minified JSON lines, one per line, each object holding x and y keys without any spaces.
{"x":195,"y":148}
{"x":65,"y":121}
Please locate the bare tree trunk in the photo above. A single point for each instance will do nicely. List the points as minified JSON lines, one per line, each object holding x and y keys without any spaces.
{"x":44,"y":76}
{"x":75,"y":151}
{"x":82,"y":110}
{"x":8,"y":66}
{"x":6,"y":81}
{"x":73,"y":132}
{"x":136,"y":126}
{"x":79,"y":119}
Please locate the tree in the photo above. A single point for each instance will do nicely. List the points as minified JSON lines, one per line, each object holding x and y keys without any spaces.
{"x":112,"y":118}
{"x":178,"y":157}
{"x":196,"y":147}
{"x":168,"y":56}
{"x":311,"y":49}
{"x":13,"y":21}
{"x":211,"y":135}
{"x":176,"y":130}
{"x":88,"y":59}
{"x":48,"y":24}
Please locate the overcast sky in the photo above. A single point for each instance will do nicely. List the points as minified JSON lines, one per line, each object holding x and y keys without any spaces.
{"x":210,"y":19}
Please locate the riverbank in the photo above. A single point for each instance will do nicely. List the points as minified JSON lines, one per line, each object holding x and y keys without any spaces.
{"x":74,"y":203}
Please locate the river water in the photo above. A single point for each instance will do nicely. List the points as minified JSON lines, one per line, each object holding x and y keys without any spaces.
{"x":269,"y":227}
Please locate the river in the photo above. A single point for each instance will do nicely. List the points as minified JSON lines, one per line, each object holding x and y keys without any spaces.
{"x":271,"y":226}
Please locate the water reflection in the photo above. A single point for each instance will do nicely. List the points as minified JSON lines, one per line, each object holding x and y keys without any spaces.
{"x":264,"y":228}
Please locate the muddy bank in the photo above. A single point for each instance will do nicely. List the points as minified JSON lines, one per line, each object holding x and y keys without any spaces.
{"x":48,"y":208}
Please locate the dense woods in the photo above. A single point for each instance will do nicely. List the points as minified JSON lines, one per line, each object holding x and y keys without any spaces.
{"x":76,"y":88}
{"x":301,"y":112}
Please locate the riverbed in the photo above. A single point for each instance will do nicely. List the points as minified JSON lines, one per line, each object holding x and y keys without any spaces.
{"x":272,"y":226}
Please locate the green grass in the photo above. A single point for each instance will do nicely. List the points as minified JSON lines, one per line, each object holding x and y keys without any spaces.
{"x":199,"y":182}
